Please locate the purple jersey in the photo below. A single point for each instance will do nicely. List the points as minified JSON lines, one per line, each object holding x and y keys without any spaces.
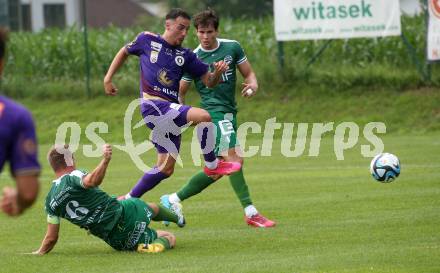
{"x":163,"y":65}
{"x":18,"y":143}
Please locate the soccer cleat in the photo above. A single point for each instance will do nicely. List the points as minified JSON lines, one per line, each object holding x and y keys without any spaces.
{"x":177,"y":209}
{"x":223,"y":168}
{"x":165,"y":201}
{"x":259,"y":220}
{"x":150,"y":248}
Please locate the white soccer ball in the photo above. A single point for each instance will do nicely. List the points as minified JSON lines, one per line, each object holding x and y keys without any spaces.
{"x":385,"y":167}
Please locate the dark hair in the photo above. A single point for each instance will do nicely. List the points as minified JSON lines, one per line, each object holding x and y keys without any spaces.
{"x":174,"y":13}
{"x":206,"y":18}
{"x":3,"y":39}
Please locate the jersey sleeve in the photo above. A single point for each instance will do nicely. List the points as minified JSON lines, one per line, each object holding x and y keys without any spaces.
{"x":137,"y":46}
{"x":239,"y":53}
{"x":194,"y":66}
{"x":77,"y":178}
{"x":52,"y":219}
{"x":187,"y":77}
{"x":24,"y":149}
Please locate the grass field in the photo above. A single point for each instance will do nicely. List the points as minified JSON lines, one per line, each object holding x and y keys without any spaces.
{"x":332,"y":217}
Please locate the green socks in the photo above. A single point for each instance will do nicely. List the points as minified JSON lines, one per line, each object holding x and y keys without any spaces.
{"x":195,"y":185}
{"x":165,"y":214}
{"x":241,"y":189}
{"x":200,"y":181}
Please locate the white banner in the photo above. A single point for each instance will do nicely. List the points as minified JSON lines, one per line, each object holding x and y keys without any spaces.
{"x":335,"y":19}
{"x":434,"y":31}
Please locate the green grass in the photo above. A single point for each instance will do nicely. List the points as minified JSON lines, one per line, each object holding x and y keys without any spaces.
{"x":332,"y":217}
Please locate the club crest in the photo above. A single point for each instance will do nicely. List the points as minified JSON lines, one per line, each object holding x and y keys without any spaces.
{"x":180,"y":60}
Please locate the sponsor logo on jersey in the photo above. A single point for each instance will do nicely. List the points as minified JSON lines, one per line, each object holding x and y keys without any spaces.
{"x":180,"y":52}
{"x":162,"y":77}
{"x":156,"y":46}
{"x":139,"y":228}
{"x":228,"y":59}
{"x":179,"y":60}
{"x":154,"y":56}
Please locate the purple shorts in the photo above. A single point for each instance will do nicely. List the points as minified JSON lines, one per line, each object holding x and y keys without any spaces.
{"x":167,"y":120}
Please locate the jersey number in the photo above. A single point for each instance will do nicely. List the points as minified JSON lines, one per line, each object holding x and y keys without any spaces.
{"x":75,"y":211}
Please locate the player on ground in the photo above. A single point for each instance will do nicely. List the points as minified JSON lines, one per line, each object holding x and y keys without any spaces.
{"x":18,"y":145}
{"x":76,"y":197}
{"x":221,"y":105}
{"x":162,"y":63}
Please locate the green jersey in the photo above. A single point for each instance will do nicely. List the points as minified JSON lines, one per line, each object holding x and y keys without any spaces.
{"x":221,"y":98}
{"x":91,"y":208}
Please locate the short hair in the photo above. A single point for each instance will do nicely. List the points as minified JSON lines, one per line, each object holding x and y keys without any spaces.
{"x":59,"y":157}
{"x":177,"y":12}
{"x":206,"y":18}
{"x":3,"y":40}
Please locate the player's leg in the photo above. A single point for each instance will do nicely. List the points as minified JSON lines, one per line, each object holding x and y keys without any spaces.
{"x":200,"y":180}
{"x":165,"y":119}
{"x":229,"y":149}
{"x":164,"y":168}
{"x":174,"y":214}
{"x":206,"y":137}
{"x":238,"y":183}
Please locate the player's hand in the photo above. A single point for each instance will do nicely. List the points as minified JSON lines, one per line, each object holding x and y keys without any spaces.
{"x":9,"y":201}
{"x":107,"y":151}
{"x":110,"y":88}
{"x":249,"y":90}
{"x":220,"y":68}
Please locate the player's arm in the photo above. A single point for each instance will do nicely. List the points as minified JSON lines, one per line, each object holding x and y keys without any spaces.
{"x":250,"y":79}
{"x":211,"y":79}
{"x":183,"y":88}
{"x":95,"y":178}
{"x":49,"y":240}
{"x":118,"y":61}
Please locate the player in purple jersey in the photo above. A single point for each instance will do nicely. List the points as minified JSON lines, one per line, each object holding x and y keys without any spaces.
{"x":162,"y":64}
{"x":18,"y":146}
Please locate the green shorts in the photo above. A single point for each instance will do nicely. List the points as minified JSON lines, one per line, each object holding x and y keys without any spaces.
{"x":226,"y":125}
{"x":132,"y":228}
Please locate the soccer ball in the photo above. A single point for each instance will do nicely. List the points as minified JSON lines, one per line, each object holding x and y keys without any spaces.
{"x":385,"y":167}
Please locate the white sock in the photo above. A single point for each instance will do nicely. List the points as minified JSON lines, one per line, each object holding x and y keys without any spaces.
{"x":212,"y":165}
{"x":250,"y":211}
{"x":173,"y":198}
{"x":128,"y":196}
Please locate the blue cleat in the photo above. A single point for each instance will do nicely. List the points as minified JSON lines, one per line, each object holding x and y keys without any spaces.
{"x":165,"y":201}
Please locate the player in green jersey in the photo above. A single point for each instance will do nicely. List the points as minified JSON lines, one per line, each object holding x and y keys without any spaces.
{"x":76,"y":197}
{"x":221,"y":105}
